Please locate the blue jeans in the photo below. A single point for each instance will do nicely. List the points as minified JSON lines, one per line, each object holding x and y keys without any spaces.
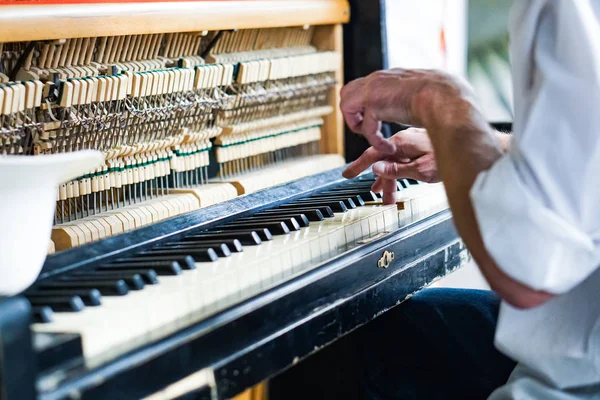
{"x":437,"y":345}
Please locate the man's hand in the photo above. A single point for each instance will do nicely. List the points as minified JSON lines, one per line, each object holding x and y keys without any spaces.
{"x":413,"y":158}
{"x":401,"y":96}
{"x":463,"y":143}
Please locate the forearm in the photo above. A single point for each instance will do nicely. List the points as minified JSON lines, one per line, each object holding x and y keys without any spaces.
{"x":467,"y":134}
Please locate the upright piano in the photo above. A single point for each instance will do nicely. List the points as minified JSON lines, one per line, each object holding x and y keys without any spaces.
{"x":218,"y":244}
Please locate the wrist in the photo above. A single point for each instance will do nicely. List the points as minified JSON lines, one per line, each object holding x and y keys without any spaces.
{"x":443,"y":108}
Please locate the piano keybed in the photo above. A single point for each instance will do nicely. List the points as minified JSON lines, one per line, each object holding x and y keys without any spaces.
{"x":160,"y":107}
{"x":113,"y":305}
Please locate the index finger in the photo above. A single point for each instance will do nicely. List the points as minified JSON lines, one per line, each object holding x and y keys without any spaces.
{"x":351,"y":104}
{"x":368,"y":158}
{"x":389,"y":191}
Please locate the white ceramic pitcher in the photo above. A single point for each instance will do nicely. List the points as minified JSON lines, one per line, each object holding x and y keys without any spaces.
{"x":28,"y":192}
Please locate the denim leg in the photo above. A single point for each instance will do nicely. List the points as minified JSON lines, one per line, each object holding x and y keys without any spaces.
{"x":437,"y":345}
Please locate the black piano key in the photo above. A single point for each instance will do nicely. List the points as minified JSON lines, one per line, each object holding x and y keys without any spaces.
{"x":134,"y":281}
{"x":149,"y":276}
{"x":353,"y":186}
{"x":303,"y":219}
{"x":90,"y":297}
{"x":107,"y":287}
{"x":365,"y":195}
{"x":290,"y":223}
{"x":345,"y":199}
{"x":198,"y":255}
{"x":263,"y":233}
{"x":317,"y":213}
{"x":412,"y":181}
{"x":59,"y":303}
{"x":234,"y":245}
{"x":250,"y":238}
{"x":299,"y":219}
{"x":365,"y":184}
{"x":336,"y":206}
{"x":222,"y":249}
{"x":160,"y":267}
{"x":355,"y":199}
{"x":276,"y":228}
{"x":184,"y":261}
{"x":42,"y":314}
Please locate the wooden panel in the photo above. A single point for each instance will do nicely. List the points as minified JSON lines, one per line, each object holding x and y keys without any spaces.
{"x":258,"y":392}
{"x":40,"y":22}
{"x":331,"y":38}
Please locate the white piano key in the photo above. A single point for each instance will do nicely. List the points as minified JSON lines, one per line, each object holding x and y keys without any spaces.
{"x":123,"y":323}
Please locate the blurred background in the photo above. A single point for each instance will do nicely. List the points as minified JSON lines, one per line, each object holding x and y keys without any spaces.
{"x":468,"y":38}
{"x":488,"y":66}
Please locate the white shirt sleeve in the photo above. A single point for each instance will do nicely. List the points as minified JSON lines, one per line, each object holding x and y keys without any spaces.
{"x":538,"y":207}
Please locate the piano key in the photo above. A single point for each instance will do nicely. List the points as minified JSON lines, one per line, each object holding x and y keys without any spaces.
{"x":134,"y":281}
{"x":324,"y":212}
{"x":59,"y":303}
{"x":148,"y":275}
{"x":294,"y":222}
{"x":275,"y":228}
{"x":43,"y":314}
{"x":349,"y":203}
{"x":107,"y":287}
{"x":356,"y":199}
{"x":160,"y":267}
{"x":196,"y":254}
{"x":90,"y":297}
{"x":222,"y":249}
{"x":263,"y":233}
{"x":353,"y":185}
{"x":234,"y":245}
{"x":130,"y":321}
{"x":183,"y":261}
{"x":335,"y":206}
{"x":289,"y":222}
{"x":365,"y":195}
{"x":249,"y":238}
{"x":364,"y":185}
{"x":303,"y":219}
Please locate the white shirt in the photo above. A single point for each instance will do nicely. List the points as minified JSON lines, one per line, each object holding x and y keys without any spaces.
{"x":538,"y":207}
